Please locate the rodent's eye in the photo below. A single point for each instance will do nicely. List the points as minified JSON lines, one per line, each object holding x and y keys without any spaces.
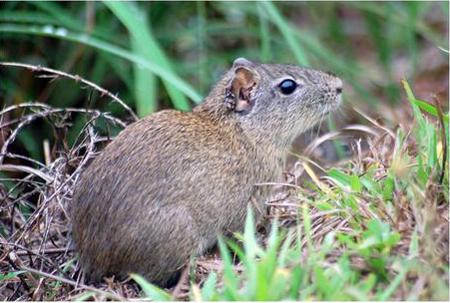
{"x":287,"y":87}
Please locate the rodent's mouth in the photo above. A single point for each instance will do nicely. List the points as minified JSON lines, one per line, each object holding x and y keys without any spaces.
{"x":332,"y":105}
{"x":337,"y":102}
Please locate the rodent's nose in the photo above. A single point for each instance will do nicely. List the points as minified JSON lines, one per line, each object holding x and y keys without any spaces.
{"x":337,"y":83}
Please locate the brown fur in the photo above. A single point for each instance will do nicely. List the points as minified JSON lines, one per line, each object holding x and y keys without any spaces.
{"x":170,"y":183}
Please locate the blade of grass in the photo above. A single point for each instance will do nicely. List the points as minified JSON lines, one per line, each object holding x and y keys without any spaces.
{"x":202,"y":39}
{"x":145,"y":88}
{"x":230,"y":279}
{"x":412,"y":10}
{"x":264,"y":35}
{"x":64,"y":34}
{"x":431,"y":109}
{"x":63,"y":18}
{"x":417,"y":114}
{"x":84,"y":296}
{"x":399,"y":18}
{"x":208,"y":289}
{"x":10,"y":275}
{"x":251,"y":248}
{"x":58,"y":13}
{"x":27,"y":17}
{"x":147,"y":46}
{"x":387,"y":293}
{"x":287,"y":32}
{"x":151,"y":292}
{"x":348,"y":69}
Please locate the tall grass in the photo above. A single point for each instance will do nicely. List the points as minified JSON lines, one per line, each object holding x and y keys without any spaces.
{"x":131,"y":32}
{"x":154,"y":54}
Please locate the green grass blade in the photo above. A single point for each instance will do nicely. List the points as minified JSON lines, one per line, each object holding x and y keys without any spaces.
{"x":389,"y":291}
{"x":431,"y":151}
{"x":306,"y":216}
{"x":287,"y":32}
{"x":54,"y":10}
{"x":209,"y":287}
{"x":230,"y":279}
{"x":431,"y":109}
{"x":10,"y":275}
{"x":377,"y":30}
{"x":151,"y":292}
{"x":137,"y":25}
{"x":250,"y":243}
{"x":412,"y":9}
{"x":202,"y":41}
{"x":62,"y":17}
{"x":411,"y":98}
{"x":145,"y":88}
{"x":26,"y":17}
{"x":399,"y":18}
{"x":64,"y":34}
{"x":88,"y":295}
{"x":346,"y":68}
{"x":264,"y":34}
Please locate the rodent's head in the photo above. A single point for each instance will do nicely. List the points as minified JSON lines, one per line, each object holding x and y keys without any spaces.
{"x":276,"y":101}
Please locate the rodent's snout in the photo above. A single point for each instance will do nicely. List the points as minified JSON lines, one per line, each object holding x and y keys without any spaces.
{"x":337,"y":85}
{"x":334,"y":88}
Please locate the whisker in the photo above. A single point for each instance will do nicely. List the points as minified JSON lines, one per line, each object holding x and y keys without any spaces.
{"x":319,"y":126}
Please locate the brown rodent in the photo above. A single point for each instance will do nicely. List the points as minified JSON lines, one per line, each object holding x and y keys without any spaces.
{"x":168,"y":184}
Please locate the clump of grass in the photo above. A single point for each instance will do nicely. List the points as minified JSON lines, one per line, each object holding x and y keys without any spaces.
{"x":146,"y":51}
{"x":36,"y":257}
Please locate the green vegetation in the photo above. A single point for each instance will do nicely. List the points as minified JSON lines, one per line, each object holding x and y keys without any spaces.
{"x":144,"y":51}
{"x":366,"y":224}
{"x":149,"y":36}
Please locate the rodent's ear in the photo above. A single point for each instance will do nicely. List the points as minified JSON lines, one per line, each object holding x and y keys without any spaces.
{"x":241,"y":62}
{"x":239,"y":97}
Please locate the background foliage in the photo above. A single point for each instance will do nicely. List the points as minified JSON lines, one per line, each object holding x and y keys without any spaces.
{"x":168,"y":54}
{"x":381,"y":212}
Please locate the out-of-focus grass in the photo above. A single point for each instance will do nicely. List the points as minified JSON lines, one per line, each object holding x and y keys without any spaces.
{"x":159,"y":54}
{"x":145,"y":44}
{"x":167,"y":51}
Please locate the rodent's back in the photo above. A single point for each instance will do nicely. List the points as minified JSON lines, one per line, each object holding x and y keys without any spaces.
{"x":152,"y":192}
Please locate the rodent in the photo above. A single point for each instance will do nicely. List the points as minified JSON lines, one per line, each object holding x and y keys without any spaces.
{"x":170,"y":183}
